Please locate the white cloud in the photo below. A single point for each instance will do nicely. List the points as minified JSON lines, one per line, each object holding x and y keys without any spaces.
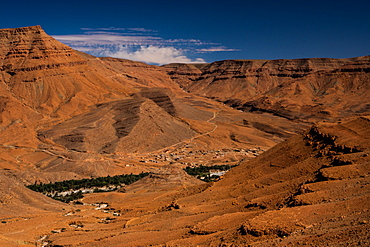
{"x":140,"y":29}
{"x":215,"y":49}
{"x":139,"y":44}
{"x":154,"y":54}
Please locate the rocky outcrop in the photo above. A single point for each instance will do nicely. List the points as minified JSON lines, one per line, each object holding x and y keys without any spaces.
{"x":47,"y":75}
{"x":183,"y":74}
{"x":326,"y":171}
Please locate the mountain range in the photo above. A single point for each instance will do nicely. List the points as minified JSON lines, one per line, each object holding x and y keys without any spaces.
{"x":65,"y":115}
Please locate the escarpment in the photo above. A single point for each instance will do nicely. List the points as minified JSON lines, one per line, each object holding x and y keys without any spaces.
{"x":299,"y":188}
{"x":183,"y":74}
{"x":47,"y":75}
{"x":305,"y":89}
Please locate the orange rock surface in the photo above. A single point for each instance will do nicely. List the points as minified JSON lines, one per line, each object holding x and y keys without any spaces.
{"x":67,"y":115}
{"x":306,"y":89}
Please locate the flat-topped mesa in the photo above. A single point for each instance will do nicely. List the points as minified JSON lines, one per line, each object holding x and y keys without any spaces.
{"x":303,"y":88}
{"x":7,"y":32}
{"x":245,"y":78}
{"x":45,"y":74}
{"x":12,"y":31}
{"x":274,"y":72}
{"x":30,"y":48}
{"x":281,"y":67}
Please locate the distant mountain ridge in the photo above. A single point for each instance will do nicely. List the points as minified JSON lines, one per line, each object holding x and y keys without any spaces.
{"x":317,"y":88}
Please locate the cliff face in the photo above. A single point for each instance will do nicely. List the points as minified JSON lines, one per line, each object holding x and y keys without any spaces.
{"x":44,"y":82}
{"x":183,"y":74}
{"x":53,"y":79}
{"x":64,"y":108}
{"x":299,"y":88}
{"x":47,"y":75}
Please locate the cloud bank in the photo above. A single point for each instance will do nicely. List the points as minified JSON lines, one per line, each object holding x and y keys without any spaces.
{"x":139,"y":44}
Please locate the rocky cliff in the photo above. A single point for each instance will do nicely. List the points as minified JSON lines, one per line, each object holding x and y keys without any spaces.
{"x":183,"y":74}
{"x":48,"y":76}
{"x":316,"y":88}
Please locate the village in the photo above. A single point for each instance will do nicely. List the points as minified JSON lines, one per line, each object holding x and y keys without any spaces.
{"x":185,"y":157}
{"x":206,"y":165}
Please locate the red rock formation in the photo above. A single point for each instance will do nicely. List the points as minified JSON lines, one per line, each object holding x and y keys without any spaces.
{"x":297,"y":89}
{"x":48,"y":76}
{"x":119,"y":126}
{"x":63,"y":110}
{"x":183,"y":74}
{"x":65,"y":114}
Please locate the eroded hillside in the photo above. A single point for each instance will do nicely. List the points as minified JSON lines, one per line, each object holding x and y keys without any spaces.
{"x":75,"y":115}
{"x":311,"y":189}
{"x":306,"y":89}
{"x":68,"y":115}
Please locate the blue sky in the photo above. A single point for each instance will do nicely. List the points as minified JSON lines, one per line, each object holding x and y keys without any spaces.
{"x":159,"y":32}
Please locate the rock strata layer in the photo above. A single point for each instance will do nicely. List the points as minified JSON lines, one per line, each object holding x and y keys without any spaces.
{"x":313,"y":88}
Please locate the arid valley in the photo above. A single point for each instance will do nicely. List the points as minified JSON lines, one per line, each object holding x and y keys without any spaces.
{"x":286,"y":141}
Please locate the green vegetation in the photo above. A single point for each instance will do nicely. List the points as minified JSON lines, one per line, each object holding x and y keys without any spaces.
{"x":203,"y":172}
{"x":110,"y":183}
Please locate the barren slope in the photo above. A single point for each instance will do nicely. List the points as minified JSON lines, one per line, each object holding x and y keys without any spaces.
{"x":305,"y":89}
{"x":311,"y":189}
{"x":65,"y":114}
{"x":48,"y":76}
{"x":118,"y":126}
